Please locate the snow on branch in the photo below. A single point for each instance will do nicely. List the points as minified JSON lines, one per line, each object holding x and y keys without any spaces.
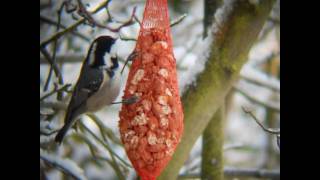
{"x":65,"y":165}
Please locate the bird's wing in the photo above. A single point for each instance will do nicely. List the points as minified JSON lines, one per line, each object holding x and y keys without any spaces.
{"x":88,"y":83}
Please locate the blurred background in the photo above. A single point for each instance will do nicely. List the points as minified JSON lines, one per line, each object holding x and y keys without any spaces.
{"x":93,"y":150}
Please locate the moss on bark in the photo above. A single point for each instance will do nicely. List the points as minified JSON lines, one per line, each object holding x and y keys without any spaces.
{"x":229,"y":52}
{"x":212,"y":147}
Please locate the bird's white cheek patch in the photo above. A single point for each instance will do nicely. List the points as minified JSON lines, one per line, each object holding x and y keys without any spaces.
{"x":91,"y":56}
{"x":107,"y":60}
{"x":113,"y":50}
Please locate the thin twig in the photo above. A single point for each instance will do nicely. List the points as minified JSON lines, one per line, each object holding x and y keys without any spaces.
{"x":240,"y":172}
{"x":54,"y":105}
{"x":71,"y":58}
{"x":127,"y":38}
{"x":178,"y":20}
{"x":269,"y":130}
{"x":137,"y":20}
{"x":53,"y":57}
{"x":56,"y":69}
{"x":52,"y":22}
{"x":84,"y":13}
{"x":56,"y":89}
{"x":46,"y":133}
{"x":252,"y":172}
{"x":66,"y":165}
{"x":255,"y":100}
{"x":104,"y":144}
{"x":273,"y":85}
{"x":85,"y":139}
{"x":73,"y":26}
{"x":114,"y":166}
{"x":104,"y":129}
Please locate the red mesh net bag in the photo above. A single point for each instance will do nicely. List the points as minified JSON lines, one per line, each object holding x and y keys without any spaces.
{"x":151,"y":128}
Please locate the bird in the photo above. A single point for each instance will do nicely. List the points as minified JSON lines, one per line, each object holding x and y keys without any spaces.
{"x":98,"y":84}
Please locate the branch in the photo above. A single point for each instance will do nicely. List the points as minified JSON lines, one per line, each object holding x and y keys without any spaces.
{"x":52,"y":22}
{"x":54,"y":105}
{"x":272,"y":84}
{"x":72,"y":27}
{"x":70,"y":58}
{"x":270,"y":105}
{"x":56,"y":89}
{"x":248,"y":172}
{"x":104,"y":129}
{"x":268,"y":130}
{"x":243,"y":172}
{"x":178,"y":20}
{"x":55,"y":43}
{"x":56,"y":69}
{"x":212,"y":147}
{"x":84,"y":13}
{"x":93,"y":149}
{"x":112,"y":153}
{"x":232,"y":41}
{"x":66,"y":165}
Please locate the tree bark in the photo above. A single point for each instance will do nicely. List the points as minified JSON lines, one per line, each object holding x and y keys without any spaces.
{"x":232,"y":42}
{"x":212,"y":147}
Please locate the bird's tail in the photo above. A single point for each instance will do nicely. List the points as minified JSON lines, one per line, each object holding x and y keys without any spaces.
{"x":59,"y":137}
{"x":69,"y":121}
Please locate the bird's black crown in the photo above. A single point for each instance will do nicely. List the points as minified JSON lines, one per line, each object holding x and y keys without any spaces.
{"x":99,"y":47}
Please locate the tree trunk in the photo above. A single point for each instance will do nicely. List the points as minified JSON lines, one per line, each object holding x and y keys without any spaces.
{"x":232,"y":42}
{"x":212,"y":147}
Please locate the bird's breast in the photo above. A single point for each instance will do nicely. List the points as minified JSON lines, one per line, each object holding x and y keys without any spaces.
{"x":107,"y":93}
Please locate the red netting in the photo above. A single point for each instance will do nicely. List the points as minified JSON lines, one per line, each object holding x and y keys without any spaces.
{"x":156,"y":19}
{"x":151,"y":128}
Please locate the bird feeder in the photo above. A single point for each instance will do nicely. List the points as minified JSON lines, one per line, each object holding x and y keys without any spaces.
{"x":151,"y":127}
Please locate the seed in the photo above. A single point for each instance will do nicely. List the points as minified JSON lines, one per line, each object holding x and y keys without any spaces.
{"x":147,"y":58}
{"x":138,"y":76}
{"x":153,"y":123}
{"x":168,"y":92}
{"x":158,"y":47}
{"x":169,"y":143}
{"x":156,"y":148}
{"x":140,"y":130}
{"x":128,"y":135}
{"x":163,"y":72}
{"x":164,"y":122}
{"x":147,"y":41}
{"x":169,"y":151}
{"x":140,"y":164}
{"x":152,"y":139}
{"x":146,"y":156}
{"x":132,"y":89}
{"x":139,"y":109}
{"x":140,"y":120}
{"x":133,"y":154}
{"x":166,"y":110}
{"x":134,"y":142}
{"x":159,"y":155}
{"x":163,"y":100}
{"x":146,"y":105}
{"x":138,"y":94}
{"x":150,"y":167}
{"x":160,"y":140}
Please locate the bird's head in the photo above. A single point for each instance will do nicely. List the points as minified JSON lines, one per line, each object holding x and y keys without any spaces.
{"x":101,"y":51}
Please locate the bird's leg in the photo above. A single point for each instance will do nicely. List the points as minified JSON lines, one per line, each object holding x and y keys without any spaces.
{"x":131,"y":100}
{"x":131,"y":57}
